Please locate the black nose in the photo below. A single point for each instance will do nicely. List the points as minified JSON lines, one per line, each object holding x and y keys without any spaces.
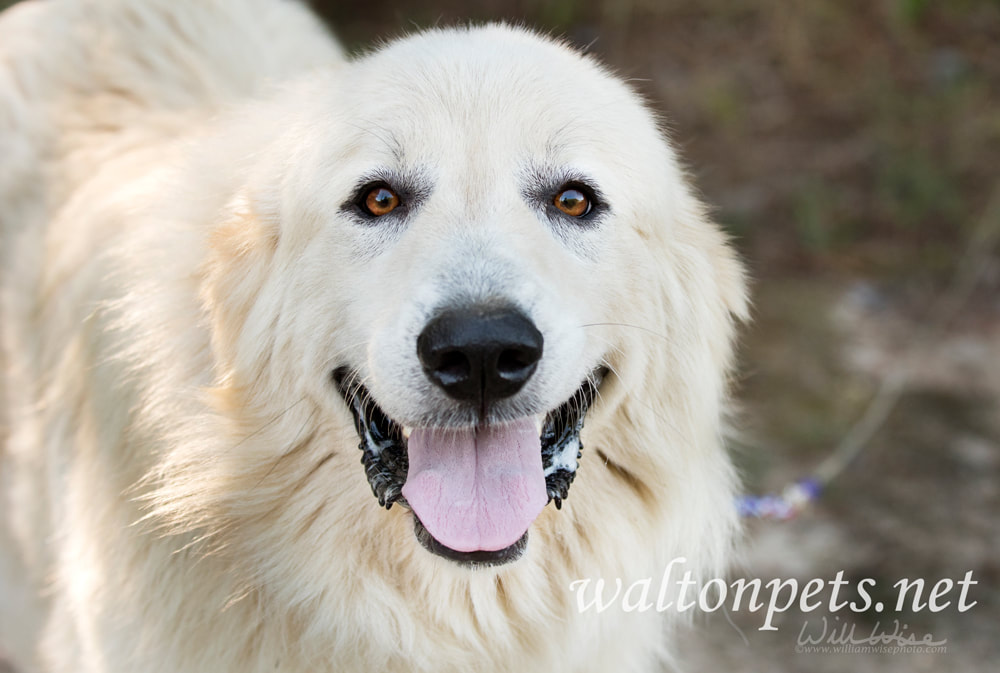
{"x":480,"y":356}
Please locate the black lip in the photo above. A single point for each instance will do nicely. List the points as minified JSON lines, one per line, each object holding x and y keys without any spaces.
{"x":471,"y":559}
{"x":382,"y":443}
{"x":386,"y":461}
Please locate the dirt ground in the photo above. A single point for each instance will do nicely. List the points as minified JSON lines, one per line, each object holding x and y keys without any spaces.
{"x":921,"y":501}
{"x":850,"y":148}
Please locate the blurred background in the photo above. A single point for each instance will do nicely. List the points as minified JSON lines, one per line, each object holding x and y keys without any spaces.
{"x":850,"y":148}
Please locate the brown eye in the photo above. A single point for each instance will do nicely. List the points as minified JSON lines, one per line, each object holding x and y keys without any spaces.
{"x":380,"y":201}
{"x":573,"y":202}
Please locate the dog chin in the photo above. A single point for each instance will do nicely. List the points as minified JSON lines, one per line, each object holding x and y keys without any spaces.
{"x":474,"y":491}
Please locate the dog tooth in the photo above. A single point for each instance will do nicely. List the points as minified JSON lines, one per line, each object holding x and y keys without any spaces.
{"x":407,"y":431}
{"x":538,"y":424}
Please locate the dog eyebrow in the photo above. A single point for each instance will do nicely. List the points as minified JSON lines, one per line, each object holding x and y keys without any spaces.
{"x":385,"y":136}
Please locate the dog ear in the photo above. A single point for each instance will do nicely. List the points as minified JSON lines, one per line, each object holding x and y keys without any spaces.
{"x":241,"y":251}
{"x":731,"y":278}
{"x":724,"y":289}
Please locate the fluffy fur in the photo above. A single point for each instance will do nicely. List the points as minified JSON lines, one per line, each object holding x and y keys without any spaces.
{"x":181,"y":483}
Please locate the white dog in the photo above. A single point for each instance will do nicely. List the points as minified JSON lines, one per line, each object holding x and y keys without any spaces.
{"x":230,"y":257}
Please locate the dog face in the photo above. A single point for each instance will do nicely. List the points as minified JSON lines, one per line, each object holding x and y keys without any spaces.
{"x":465,"y":226}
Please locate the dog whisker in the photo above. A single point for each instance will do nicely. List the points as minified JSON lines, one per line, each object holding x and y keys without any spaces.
{"x":624,"y":324}
{"x":296,"y":446}
{"x":631,"y":392}
{"x":315,"y":468}
{"x":277,"y":417}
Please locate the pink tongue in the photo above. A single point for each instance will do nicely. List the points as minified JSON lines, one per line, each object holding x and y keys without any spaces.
{"x":476,"y":489}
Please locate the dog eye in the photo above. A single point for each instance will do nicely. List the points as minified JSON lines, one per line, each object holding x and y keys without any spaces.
{"x":573,"y":201}
{"x":379,"y":201}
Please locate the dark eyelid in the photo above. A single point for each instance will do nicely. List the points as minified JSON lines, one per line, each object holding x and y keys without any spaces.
{"x":543,"y":186}
{"x":542,"y":183}
{"x":411,"y":188}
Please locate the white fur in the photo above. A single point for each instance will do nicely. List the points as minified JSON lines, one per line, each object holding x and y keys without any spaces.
{"x":181,"y":483}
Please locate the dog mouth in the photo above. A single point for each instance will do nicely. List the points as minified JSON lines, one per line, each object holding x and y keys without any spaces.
{"x":474,"y":491}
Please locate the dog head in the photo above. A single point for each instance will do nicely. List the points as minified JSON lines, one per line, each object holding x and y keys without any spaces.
{"x":455,"y":247}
